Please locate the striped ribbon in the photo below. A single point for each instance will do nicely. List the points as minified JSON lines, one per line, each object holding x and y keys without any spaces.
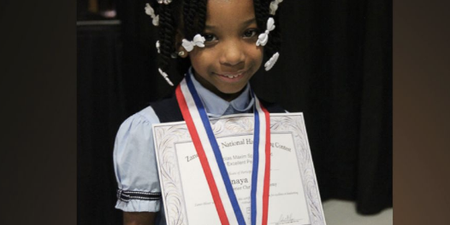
{"x":212,"y":163}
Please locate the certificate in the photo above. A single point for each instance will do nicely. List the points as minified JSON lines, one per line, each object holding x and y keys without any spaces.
{"x":293,"y":197}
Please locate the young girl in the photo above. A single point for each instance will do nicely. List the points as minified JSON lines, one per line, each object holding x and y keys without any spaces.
{"x":218,"y":45}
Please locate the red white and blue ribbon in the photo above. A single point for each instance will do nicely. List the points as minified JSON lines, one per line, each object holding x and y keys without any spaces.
{"x":211,"y":160}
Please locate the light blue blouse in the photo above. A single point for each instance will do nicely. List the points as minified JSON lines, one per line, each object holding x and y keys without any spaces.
{"x":134,"y":156}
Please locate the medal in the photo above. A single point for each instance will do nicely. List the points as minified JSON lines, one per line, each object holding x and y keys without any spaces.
{"x":212,"y":162}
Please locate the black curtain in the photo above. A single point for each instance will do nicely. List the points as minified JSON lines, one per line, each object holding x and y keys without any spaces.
{"x":335,"y":66}
{"x":100,"y":110}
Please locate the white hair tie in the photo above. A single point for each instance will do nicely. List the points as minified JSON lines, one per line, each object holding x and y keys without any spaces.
{"x":164,"y":1}
{"x":166,"y":77}
{"x":269,"y":64}
{"x":151,"y":12}
{"x":274,"y":6}
{"x":264,"y":37}
{"x":199,"y":41}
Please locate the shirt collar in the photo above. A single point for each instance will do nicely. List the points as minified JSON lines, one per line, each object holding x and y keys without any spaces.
{"x":216,"y":106}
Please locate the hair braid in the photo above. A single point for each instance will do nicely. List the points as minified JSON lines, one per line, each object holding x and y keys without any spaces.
{"x":262,"y":15}
{"x":166,"y":34}
{"x":202,"y":6}
{"x":187,"y":19}
{"x":274,"y":42}
{"x":190,"y":19}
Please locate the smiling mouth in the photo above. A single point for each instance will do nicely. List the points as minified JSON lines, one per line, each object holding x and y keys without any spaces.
{"x":231,"y":75}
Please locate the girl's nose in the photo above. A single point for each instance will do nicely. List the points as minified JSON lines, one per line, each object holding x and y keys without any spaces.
{"x":232,"y":54}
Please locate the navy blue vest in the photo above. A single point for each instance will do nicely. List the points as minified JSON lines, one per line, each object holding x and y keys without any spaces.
{"x":168,"y":110}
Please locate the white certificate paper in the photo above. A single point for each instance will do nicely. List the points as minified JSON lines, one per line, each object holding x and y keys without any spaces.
{"x":293,"y":197}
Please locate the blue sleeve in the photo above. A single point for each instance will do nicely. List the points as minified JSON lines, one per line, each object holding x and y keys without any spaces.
{"x":135,"y":164}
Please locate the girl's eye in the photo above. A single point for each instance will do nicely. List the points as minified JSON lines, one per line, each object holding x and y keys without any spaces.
{"x":250,"y":33}
{"x":210,"y":37}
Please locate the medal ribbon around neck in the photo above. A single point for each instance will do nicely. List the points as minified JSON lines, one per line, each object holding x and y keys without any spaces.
{"x":211,"y":160}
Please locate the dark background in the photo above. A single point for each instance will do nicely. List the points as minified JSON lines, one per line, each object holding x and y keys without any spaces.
{"x":335,"y":67}
{"x":38,"y":95}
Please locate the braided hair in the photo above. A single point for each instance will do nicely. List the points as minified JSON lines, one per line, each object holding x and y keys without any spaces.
{"x":186,"y":18}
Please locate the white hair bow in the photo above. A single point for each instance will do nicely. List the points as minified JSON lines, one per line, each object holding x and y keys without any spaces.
{"x":269,"y":64}
{"x":274,"y":6}
{"x":151,"y":12}
{"x":164,"y":1}
{"x":199,"y":41}
{"x":264,"y":37}
{"x":158,"y":45}
{"x":166,"y":77}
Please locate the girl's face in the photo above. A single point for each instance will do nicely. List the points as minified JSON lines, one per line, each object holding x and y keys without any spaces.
{"x":230,"y":56}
